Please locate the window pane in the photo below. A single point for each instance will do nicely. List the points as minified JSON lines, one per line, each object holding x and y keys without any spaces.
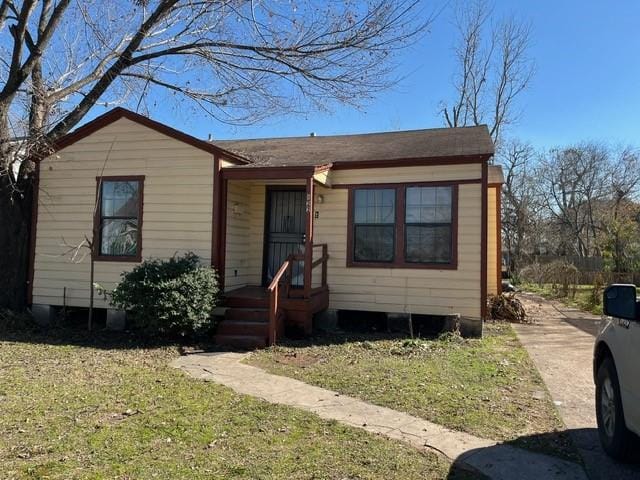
{"x":442,"y":214}
{"x":428,"y":244}
{"x":413,"y":214}
{"x":428,"y":205}
{"x":443,"y":195}
{"x":119,"y":237}
{"x":120,"y":199}
{"x":373,"y":243}
{"x":375,"y":206}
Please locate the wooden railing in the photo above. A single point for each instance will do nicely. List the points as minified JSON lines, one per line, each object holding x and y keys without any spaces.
{"x":321,"y":261}
{"x":280,"y":286}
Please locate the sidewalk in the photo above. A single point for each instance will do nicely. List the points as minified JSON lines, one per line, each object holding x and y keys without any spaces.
{"x":560,"y":342}
{"x":494,"y":460}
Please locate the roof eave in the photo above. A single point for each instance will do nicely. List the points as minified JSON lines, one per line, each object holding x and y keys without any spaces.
{"x":268,"y":172}
{"x":409,"y":162}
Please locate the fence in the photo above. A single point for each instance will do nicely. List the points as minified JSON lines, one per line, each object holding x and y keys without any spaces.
{"x":584,"y":264}
{"x":589,"y":278}
{"x":590,"y":269}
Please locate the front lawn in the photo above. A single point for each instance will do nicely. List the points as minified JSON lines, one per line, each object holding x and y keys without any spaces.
{"x":101,"y":410}
{"x":488,"y":387}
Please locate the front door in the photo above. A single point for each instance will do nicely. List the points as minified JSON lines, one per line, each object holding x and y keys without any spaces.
{"x":284,"y":232}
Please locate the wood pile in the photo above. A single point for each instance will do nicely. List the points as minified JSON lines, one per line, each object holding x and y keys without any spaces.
{"x":506,"y":307}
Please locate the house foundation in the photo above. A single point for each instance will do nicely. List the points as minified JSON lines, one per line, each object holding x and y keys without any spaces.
{"x":44,"y":315}
{"x":471,"y":327}
{"x":116,"y":320}
{"x":326,"y":320}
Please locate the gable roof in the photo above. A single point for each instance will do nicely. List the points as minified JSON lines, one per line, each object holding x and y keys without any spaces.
{"x":349,"y":150}
{"x":117,"y":113}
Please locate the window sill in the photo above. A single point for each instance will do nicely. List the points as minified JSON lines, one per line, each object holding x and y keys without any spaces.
{"x":403,"y":265}
{"x":114,"y":258}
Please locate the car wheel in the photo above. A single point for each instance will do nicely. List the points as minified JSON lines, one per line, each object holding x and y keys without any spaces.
{"x":616,"y":439}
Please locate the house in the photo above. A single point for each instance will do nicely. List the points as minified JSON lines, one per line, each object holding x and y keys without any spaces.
{"x":398,"y":222}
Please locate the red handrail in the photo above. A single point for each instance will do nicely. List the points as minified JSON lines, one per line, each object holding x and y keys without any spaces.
{"x":321,"y":261}
{"x":283,"y":278}
{"x":274,"y":297}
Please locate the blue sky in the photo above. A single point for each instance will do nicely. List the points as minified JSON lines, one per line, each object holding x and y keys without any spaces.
{"x":586,"y":86}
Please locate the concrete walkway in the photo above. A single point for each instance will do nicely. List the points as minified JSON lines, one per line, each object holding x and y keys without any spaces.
{"x":494,"y":460}
{"x":560,"y":342}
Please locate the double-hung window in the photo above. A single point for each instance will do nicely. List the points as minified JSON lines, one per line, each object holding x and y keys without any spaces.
{"x":404,"y":225}
{"x":374,"y":225}
{"x":428,"y":233}
{"x":119,"y":218}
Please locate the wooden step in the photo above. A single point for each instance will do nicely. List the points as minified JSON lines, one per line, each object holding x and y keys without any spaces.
{"x":242,"y":327}
{"x":247,"y":314}
{"x":246,"y":342}
{"x":246,"y":302}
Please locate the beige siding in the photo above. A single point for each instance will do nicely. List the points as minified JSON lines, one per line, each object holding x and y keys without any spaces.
{"x":492,"y":243}
{"x":404,"y":290}
{"x":178,"y":193}
{"x":245,"y":231}
{"x":407,"y":174}
{"x":237,"y":253}
{"x":256,"y":233}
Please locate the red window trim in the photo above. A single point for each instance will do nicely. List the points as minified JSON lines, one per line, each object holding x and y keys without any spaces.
{"x":399,"y":258}
{"x":97,"y":234}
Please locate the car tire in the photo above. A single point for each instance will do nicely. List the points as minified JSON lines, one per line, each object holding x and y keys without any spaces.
{"x":615,"y":438}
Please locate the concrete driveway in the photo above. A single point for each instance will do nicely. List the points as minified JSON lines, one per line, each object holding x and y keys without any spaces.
{"x":560,"y":343}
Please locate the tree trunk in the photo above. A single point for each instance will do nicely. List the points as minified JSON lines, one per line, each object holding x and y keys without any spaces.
{"x":15,"y":223}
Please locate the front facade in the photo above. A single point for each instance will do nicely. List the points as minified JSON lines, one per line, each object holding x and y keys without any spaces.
{"x":404,"y":222}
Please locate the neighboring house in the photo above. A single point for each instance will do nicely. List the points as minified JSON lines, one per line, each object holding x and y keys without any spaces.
{"x":398,"y":222}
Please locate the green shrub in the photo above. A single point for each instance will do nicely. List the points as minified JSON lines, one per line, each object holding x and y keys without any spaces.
{"x":175,"y":296}
{"x":11,"y":320}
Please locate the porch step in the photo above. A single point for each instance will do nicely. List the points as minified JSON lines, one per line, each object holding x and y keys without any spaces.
{"x":245,"y":302}
{"x":241,"y":327}
{"x":247,"y":342}
{"x":251,"y":296}
{"x":247,"y":314}
{"x":245,"y":327}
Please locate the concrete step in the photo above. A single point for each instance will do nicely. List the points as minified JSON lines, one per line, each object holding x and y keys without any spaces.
{"x":245,"y":342}
{"x":243,"y":327}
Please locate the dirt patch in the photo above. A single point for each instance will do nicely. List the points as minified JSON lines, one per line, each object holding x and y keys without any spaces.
{"x":297,"y":359}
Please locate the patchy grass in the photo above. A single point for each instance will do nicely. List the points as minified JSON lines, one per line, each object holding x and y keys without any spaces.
{"x":97,"y":410}
{"x":487,"y":387}
{"x":583,"y":299}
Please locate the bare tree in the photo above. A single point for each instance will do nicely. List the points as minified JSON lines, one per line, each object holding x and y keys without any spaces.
{"x":236,"y":60}
{"x":493,"y":68}
{"x":618,"y":216}
{"x":520,"y":207}
{"x":571,"y":184}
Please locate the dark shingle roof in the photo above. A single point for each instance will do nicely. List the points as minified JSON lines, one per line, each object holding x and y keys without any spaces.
{"x":320,"y":150}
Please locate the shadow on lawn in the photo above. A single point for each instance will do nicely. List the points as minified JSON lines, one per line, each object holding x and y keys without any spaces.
{"x":323,"y":339}
{"x":502,"y":463}
{"x":102,"y":339}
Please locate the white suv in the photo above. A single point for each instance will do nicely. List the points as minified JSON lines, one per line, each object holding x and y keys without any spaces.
{"x":616,"y":368}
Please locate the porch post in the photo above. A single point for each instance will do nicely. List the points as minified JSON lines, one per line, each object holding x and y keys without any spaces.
{"x":216,"y":215}
{"x":220,"y":226}
{"x":308,"y":243}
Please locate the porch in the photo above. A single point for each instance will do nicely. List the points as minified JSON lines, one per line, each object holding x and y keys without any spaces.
{"x":273,"y":275}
